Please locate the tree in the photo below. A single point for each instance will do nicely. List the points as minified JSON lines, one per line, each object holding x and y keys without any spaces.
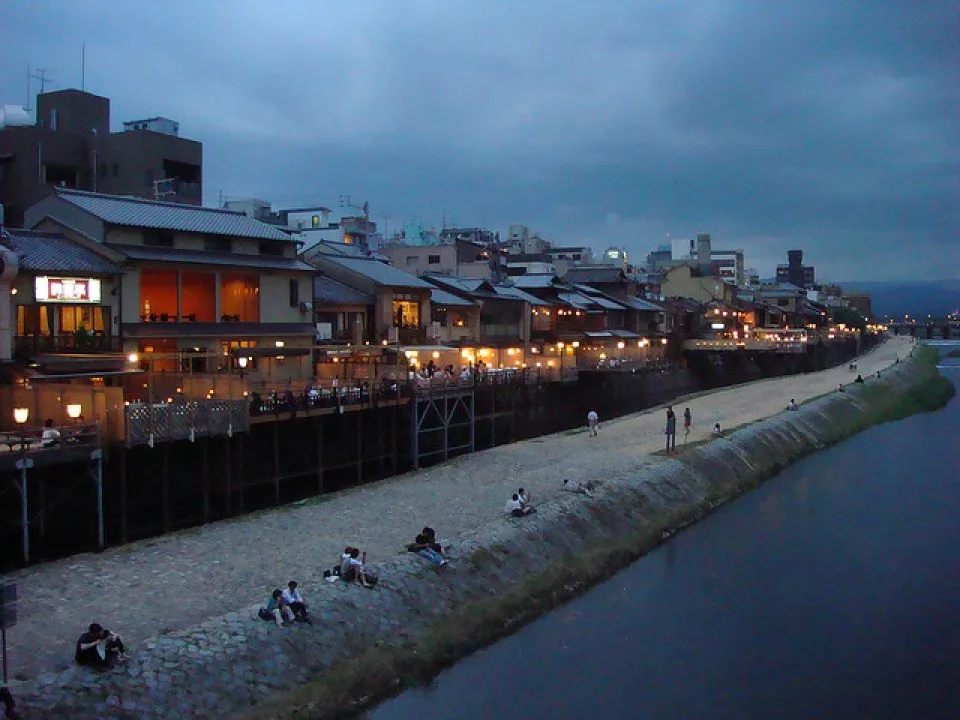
{"x":849,"y":317}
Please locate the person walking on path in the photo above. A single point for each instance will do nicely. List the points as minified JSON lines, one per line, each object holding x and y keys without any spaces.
{"x":687,"y":419}
{"x":592,"y":421}
{"x":671,"y":430}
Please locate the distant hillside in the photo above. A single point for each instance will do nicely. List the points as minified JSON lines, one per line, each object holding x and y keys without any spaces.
{"x":917,"y":299}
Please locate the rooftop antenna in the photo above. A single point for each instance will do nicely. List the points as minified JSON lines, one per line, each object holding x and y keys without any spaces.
{"x":40,"y":75}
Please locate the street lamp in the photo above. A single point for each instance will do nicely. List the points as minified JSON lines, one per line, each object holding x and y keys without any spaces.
{"x":74,"y":410}
{"x":20,"y":415}
{"x":242,"y":362}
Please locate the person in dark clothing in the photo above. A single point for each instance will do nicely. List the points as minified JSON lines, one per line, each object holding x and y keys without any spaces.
{"x":98,"y":648}
{"x":671,"y":429}
{"x":9,"y":704}
{"x":859,"y":379}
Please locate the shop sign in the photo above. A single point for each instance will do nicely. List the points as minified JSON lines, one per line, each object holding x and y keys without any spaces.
{"x":68,"y":290}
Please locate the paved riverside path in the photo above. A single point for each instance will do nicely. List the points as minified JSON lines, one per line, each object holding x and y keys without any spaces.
{"x":174,"y":582}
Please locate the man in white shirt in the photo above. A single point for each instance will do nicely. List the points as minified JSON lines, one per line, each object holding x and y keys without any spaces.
{"x":593,"y":420}
{"x":293,"y":598}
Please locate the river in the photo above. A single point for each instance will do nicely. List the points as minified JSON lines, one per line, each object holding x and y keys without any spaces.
{"x":832,"y":591}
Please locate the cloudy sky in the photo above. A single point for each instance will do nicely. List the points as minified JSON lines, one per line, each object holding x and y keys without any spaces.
{"x":821,"y":124}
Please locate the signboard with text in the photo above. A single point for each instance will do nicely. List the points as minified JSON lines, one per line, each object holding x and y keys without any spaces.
{"x":68,"y":290}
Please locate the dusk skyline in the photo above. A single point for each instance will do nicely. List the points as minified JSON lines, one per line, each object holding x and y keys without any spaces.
{"x":771,"y":126}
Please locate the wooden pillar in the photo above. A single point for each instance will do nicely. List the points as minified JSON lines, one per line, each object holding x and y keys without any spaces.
{"x":166,"y":487}
{"x":242,"y":480}
{"x":41,"y":499}
{"x":123,"y":495}
{"x":319,"y":422}
{"x":493,"y":415}
{"x":359,"y":415}
{"x":393,"y":433}
{"x":446,"y":424}
{"x":276,"y":463}
{"x":229,"y":477}
{"x":205,"y":475}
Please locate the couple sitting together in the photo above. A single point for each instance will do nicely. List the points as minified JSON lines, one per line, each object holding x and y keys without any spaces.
{"x":519,"y":505}
{"x":285,"y":605}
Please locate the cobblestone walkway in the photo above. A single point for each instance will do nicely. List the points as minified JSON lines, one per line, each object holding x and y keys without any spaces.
{"x":149,"y":589}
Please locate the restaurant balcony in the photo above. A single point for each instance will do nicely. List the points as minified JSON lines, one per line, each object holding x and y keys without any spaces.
{"x":95,"y":342}
{"x":53,"y":445}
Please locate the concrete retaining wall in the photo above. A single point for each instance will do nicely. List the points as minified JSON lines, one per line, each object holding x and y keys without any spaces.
{"x":227,"y":664}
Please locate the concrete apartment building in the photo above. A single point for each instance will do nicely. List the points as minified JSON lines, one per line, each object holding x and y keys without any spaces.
{"x":200,"y":287}
{"x":70,"y":145}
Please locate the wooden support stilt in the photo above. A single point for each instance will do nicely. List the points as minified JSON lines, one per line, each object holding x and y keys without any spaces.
{"x":276,"y":463}
{"x":228,"y":494}
{"x":319,"y":422}
{"x":124,"y":511}
{"x":205,"y":480}
{"x":242,"y":475}
{"x":393,"y":436}
{"x":166,"y":487}
{"x":41,"y":500}
{"x":359,"y":446}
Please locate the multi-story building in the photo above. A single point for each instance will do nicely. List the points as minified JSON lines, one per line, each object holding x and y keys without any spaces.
{"x":70,"y":146}
{"x":456,"y":257}
{"x":201,"y":289}
{"x":795,"y":272}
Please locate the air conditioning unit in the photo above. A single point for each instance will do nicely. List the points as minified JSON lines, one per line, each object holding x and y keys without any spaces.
{"x":393,"y":335}
{"x":434,"y":330}
{"x":306,"y":306}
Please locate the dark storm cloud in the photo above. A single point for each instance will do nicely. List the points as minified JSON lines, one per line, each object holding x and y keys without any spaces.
{"x":823,"y":125}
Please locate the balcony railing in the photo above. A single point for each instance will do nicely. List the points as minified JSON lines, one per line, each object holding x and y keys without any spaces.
{"x":149,"y":423}
{"x":72,"y":343}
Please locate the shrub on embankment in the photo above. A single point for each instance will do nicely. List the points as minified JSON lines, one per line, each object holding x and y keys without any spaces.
{"x":516,"y":570}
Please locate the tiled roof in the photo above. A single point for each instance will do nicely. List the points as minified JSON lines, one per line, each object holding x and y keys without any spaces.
{"x":442,"y":297}
{"x":534,"y":280}
{"x":380,"y":273}
{"x":594,"y":274}
{"x":461,"y":284}
{"x":327,"y":291}
{"x":198,"y":257}
{"x":42,"y":252}
{"x":513,"y":293}
{"x":639,"y":304}
{"x":156,"y":215}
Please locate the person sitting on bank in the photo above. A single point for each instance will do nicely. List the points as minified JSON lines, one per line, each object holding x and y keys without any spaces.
{"x":859,"y":379}
{"x":717,"y":432}
{"x":515,"y":507}
{"x":294,"y":600}
{"x":792,"y":405}
{"x":51,"y":436}
{"x":524,"y":498}
{"x":99,"y":648}
{"x":426,"y":546}
{"x":840,"y":388}
{"x":575,"y":486}
{"x":277,"y":609}
{"x":352,"y":569}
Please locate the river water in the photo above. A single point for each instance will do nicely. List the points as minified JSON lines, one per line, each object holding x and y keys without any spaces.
{"x":832,"y":591}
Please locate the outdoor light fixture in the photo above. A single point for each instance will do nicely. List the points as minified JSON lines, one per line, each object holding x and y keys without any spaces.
{"x":576,"y":343}
{"x":620,"y":345}
{"x":663,"y":341}
{"x":13,"y":291}
{"x":279,"y":343}
{"x":132,"y":358}
{"x":242,"y":362}
{"x":73,"y":410}
{"x":21,"y":414}
{"x":436,"y":354}
{"x":559,"y":346}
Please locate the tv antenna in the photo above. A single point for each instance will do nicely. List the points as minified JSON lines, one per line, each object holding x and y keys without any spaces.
{"x":346,"y":202}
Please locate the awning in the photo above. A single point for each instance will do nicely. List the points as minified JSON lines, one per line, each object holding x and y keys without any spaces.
{"x":627,"y":334}
{"x":597,"y":335}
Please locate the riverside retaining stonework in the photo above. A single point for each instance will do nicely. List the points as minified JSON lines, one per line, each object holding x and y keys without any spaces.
{"x":223,"y":665}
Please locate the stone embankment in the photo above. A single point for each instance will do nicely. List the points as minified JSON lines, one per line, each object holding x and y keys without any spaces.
{"x":361,"y":640}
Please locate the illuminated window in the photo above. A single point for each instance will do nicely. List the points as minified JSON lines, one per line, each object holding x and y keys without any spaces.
{"x":406,"y":310}
{"x":315,"y":221}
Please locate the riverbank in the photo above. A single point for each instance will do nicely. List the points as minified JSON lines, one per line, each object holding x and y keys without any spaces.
{"x":578,"y":543}
{"x":185,"y":602}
